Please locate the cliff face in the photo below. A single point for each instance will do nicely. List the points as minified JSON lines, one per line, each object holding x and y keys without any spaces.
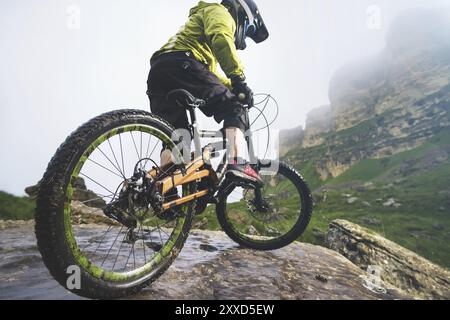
{"x":319,"y":122}
{"x":386,"y":104}
{"x":292,"y":138}
{"x":412,"y":72}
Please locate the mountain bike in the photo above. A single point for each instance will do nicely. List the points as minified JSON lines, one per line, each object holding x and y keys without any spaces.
{"x":147,"y":211}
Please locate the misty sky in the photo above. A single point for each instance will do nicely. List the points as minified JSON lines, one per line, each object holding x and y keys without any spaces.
{"x":58,"y":71}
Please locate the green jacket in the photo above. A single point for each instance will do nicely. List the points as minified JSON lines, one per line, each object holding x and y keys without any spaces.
{"x":209,"y":35}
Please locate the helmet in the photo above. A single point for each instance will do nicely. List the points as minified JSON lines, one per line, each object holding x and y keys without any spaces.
{"x":248,"y":21}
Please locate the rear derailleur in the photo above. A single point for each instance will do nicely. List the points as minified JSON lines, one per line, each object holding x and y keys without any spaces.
{"x":135,"y":199}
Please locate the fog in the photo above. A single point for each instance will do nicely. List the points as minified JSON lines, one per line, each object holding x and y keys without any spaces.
{"x":64,"y":62}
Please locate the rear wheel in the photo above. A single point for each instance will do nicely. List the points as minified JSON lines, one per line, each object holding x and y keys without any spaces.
{"x":120,"y":253}
{"x":270,"y":217}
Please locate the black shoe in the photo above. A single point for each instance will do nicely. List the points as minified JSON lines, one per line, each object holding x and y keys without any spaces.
{"x":244,"y":173}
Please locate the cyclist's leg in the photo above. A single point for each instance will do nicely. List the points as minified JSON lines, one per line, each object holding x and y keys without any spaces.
{"x":189,"y":74}
{"x":159,"y":83}
{"x":224,"y":106}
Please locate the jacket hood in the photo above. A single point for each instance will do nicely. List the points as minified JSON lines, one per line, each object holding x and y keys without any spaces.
{"x":201,"y":5}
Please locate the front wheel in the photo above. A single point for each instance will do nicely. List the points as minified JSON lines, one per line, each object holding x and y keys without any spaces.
{"x":86,"y":219}
{"x":270,"y":217}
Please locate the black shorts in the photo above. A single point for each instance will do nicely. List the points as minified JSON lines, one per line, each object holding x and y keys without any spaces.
{"x":172,"y":71}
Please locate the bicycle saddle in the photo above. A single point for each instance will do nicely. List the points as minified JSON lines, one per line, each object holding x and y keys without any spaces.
{"x":184,"y":99}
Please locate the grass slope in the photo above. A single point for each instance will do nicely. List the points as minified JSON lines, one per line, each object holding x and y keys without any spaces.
{"x":15,"y":208}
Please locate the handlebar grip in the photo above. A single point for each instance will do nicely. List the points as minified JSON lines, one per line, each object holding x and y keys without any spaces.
{"x":242,"y":97}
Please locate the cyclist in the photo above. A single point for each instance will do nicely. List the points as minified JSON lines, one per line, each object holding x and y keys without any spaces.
{"x":211,"y":37}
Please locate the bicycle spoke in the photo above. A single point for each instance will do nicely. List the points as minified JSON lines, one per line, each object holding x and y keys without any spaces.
{"x":148,"y":148}
{"x":160,"y":235}
{"x":94,"y":199}
{"x":121,"y":154}
{"x":101,"y":151}
{"x":140,"y":150}
{"x":98,"y":164}
{"x":143,"y":244}
{"x":107,"y":231}
{"x":115,"y":158}
{"x":129,"y":255}
{"x":120,"y":249}
{"x":97,"y":183}
{"x":153,"y":150}
{"x":109,"y":251}
{"x":135,"y":147}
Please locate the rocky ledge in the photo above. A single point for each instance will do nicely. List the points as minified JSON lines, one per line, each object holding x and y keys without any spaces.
{"x":396,"y":265}
{"x":210,"y":266}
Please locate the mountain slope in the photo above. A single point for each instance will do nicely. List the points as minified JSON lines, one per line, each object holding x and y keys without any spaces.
{"x":405,"y":197}
{"x":380,"y":156}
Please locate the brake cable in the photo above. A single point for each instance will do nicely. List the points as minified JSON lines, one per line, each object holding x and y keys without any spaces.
{"x":267,"y":99}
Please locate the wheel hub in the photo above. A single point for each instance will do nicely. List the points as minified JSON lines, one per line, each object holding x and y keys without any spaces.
{"x":135,"y":200}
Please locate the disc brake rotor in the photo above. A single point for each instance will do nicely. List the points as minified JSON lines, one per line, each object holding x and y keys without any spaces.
{"x":259,"y":209}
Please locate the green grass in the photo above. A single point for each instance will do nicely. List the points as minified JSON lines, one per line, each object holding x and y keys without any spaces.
{"x":16,"y":208}
{"x":426,"y":232}
{"x":369,"y":169}
{"x":309,"y":173}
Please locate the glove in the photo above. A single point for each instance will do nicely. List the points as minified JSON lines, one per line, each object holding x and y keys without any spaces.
{"x":242,"y":91}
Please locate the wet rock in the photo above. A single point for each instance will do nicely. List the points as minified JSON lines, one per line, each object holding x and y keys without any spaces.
{"x":400,"y":267}
{"x":207,"y":247}
{"x":6,"y":224}
{"x":321,"y":278}
{"x":299,"y":271}
{"x":319,"y":234}
{"x":82,"y":214}
{"x":80,"y":193}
